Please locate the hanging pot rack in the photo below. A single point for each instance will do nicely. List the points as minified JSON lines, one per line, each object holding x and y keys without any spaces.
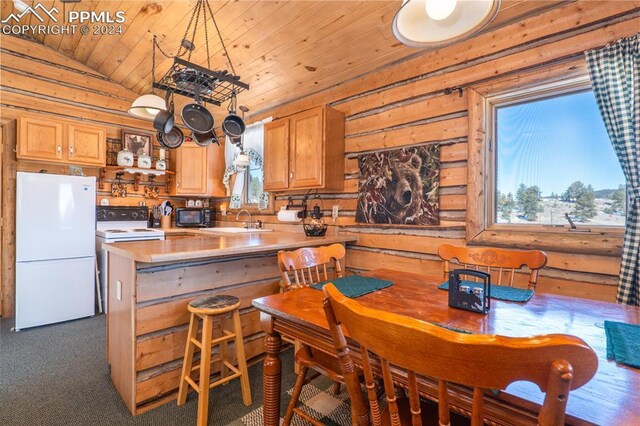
{"x":193,"y":81}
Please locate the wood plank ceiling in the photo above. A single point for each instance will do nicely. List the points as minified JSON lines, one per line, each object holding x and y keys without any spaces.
{"x":284,"y":49}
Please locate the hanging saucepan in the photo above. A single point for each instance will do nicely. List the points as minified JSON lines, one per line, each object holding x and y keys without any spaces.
{"x":171,"y":139}
{"x":232,"y":125}
{"x":160,"y":137}
{"x":164,"y":120}
{"x":205,"y":139}
{"x":196,"y":117}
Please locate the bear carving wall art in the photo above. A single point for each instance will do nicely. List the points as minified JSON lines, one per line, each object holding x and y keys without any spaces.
{"x":400,"y":186}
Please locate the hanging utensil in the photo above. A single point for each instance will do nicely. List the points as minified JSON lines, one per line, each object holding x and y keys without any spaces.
{"x":118,"y":189}
{"x":232,"y":125}
{"x":165,"y":119}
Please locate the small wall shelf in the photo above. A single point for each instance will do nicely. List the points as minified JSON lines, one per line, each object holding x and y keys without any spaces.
{"x":137,"y":174}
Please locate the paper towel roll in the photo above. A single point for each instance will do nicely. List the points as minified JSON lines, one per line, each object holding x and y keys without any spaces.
{"x":289,"y":215}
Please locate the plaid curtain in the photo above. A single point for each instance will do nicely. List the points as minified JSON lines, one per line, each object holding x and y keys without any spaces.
{"x":615,"y":76}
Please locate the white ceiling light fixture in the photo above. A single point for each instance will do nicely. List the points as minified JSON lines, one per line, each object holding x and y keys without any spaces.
{"x":432,"y":23}
{"x":440,"y":9}
{"x":20,"y":5}
{"x":147,"y":106}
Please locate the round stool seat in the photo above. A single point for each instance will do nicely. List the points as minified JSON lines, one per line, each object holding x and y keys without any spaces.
{"x":214,"y":305}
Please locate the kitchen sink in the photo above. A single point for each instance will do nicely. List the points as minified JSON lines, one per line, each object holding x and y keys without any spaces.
{"x":234,"y":230}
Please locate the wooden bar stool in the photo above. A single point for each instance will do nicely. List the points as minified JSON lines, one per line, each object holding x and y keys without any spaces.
{"x":206,"y":308}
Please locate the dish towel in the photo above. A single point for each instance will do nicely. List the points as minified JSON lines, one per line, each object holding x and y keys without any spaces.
{"x":355,"y":285}
{"x":499,"y":292}
{"x":623,"y":342}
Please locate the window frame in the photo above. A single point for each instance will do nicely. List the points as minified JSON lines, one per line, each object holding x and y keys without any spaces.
{"x":482,"y":228}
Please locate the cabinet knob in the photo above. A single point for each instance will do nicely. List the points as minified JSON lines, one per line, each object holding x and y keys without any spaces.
{"x":291,"y":174}
{"x":178,"y":184}
{"x":71,"y":151}
{"x":59,"y":149}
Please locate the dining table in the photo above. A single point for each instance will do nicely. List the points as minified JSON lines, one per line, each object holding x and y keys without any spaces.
{"x":611,"y":397}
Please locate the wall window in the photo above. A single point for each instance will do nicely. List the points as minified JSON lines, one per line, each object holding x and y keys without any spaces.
{"x":550,"y":155}
{"x":253,"y":184}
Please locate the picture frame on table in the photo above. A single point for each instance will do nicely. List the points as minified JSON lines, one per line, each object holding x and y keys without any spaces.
{"x":137,"y":142}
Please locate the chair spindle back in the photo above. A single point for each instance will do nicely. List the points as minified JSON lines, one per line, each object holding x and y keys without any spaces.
{"x":495,"y":260}
{"x":310,"y":265}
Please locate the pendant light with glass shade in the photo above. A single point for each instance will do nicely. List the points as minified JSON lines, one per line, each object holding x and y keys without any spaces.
{"x":149,"y":105}
{"x":433,"y":23}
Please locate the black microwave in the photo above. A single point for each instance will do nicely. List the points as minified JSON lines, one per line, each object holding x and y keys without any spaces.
{"x":194,"y":217}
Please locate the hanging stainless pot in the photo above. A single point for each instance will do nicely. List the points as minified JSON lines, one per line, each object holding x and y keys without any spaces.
{"x":232,"y":125}
{"x":165,"y":119}
{"x":171,"y":139}
{"x":205,"y":139}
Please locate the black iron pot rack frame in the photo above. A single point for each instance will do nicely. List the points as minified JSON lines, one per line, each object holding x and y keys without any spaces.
{"x":225,"y":84}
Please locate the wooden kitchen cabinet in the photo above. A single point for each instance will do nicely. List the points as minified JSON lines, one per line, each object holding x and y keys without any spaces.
{"x":56,"y":141}
{"x":276,"y":155}
{"x":87,"y":145}
{"x":199,"y":170}
{"x":305,"y":151}
{"x":40,"y":139}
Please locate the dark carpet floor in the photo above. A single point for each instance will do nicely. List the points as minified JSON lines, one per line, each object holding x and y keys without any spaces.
{"x":57,"y":375}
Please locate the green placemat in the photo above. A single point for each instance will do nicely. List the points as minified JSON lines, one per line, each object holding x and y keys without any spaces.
{"x":499,"y":292}
{"x":623,"y":342}
{"x":355,"y":285}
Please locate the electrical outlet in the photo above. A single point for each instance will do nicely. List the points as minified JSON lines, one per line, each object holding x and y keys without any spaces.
{"x":334,"y":212}
{"x":119,"y":290}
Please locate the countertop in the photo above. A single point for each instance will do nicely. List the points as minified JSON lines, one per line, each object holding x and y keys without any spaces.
{"x":200,"y":245}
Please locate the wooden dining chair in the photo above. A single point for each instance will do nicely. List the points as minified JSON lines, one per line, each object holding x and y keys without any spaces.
{"x":495,"y":261}
{"x":310,"y":265}
{"x":302,"y":268}
{"x":557,"y":363}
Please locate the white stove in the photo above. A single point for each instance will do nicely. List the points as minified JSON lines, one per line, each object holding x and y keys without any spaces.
{"x":117,"y":225}
{"x":127,"y":231}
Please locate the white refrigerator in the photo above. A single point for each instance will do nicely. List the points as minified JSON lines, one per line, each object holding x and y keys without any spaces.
{"x":55,"y":248}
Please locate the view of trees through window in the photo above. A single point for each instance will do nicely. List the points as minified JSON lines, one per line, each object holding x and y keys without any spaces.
{"x":253,"y":184}
{"x":554,"y":157}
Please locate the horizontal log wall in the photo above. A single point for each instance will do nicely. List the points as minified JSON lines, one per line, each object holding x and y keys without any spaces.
{"x":404,"y":104}
{"x":35,"y":79}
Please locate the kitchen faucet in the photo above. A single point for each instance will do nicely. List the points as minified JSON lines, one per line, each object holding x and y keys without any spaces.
{"x":251,"y":224}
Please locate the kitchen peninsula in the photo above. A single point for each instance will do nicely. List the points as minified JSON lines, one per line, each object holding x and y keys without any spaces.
{"x":150,"y":284}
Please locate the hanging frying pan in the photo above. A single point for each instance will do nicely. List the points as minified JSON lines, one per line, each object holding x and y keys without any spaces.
{"x":160,"y":137}
{"x":164,"y":120}
{"x":171,"y":139}
{"x":205,"y":139}
{"x":196,"y":117}
{"x":232,"y":125}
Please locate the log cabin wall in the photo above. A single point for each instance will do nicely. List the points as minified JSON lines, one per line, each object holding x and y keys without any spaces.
{"x":404,"y":104}
{"x":36,"y":80}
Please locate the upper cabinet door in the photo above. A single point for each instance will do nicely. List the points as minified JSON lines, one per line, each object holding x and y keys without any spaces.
{"x":191,"y":170}
{"x":40,"y":139}
{"x":306,"y":164}
{"x":87,"y":145}
{"x":276,"y":155}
